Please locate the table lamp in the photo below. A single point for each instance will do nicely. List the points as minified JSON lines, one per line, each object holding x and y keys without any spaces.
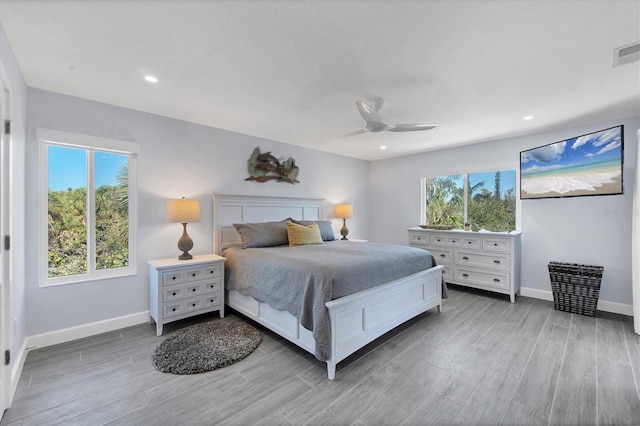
{"x":344,"y":212}
{"x":184,"y":211}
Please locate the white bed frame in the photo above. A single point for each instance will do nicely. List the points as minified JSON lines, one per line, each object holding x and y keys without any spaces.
{"x":356,"y":319}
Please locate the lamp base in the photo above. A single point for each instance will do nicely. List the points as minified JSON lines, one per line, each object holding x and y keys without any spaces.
{"x":185,"y":243}
{"x":344,"y":231}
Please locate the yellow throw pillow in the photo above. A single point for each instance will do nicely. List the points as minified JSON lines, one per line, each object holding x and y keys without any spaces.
{"x":302,"y":235}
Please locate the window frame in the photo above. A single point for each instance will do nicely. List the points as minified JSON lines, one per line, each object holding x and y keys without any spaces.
{"x":423,"y":193}
{"x":91,"y":144}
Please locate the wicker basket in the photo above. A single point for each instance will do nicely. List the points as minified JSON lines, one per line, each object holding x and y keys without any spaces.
{"x":575,"y":287}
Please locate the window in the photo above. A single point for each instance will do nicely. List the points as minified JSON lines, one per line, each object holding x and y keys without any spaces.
{"x":482,"y":200}
{"x":88,"y":207}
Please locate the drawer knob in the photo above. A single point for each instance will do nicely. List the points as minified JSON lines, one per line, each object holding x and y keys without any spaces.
{"x":453,"y":241}
{"x":469,"y":242}
{"x":496,"y":261}
{"x":173,"y":310}
{"x":443,"y":255}
{"x":438,"y":239}
{"x":465,"y":258}
{"x":193,"y":275}
{"x":465,"y":275}
{"x":496,"y":280}
{"x":174,"y":293}
{"x":495,"y":244}
{"x":173,"y":278}
{"x":194,"y":290}
{"x":193,"y":304}
{"x":211,"y":271}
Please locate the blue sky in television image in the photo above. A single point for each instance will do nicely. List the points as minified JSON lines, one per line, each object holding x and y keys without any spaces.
{"x":595,"y":148}
{"x":68,"y":168}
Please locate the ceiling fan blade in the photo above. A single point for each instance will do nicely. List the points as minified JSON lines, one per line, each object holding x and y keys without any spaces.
{"x":410,"y":127}
{"x":368,"y":112}
{"x":377,"y":104}
{"x":357,"y":132}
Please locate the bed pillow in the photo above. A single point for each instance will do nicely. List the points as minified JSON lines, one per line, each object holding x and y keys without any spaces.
{"x":326,"y":230}
{"x":265,"y":234}
{"x":300,"y":235}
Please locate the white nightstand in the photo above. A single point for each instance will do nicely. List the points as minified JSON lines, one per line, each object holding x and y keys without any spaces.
{"x":182,"y":288}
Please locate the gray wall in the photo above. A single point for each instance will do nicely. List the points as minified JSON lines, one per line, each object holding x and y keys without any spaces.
{"x":12,"y":76}
{"x":176,"y":159}
{"x":591,"y":230}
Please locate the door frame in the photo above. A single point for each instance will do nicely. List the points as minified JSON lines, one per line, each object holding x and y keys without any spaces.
{"x":5,"y":256}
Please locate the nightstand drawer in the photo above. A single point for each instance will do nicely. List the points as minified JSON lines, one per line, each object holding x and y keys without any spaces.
{"x":212,"y":300}
{"x":194,"y":274}
{"x":194,"y":289}
{"x":213,"y":271}
{"x":173,"y":309}
{"x":171,"y":293}
{"x":172,"y":277}
{"x":194,"y":304}
{"x":212,"y":286}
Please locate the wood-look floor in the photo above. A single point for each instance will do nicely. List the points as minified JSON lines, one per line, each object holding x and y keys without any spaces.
{"x":482,"y":360}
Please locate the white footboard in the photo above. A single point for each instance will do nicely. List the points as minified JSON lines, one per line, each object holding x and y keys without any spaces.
{"x":356,"y":320}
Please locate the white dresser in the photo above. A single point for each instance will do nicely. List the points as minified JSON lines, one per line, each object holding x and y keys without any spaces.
{"x":484,"y":260}
{"x":182,"y":288}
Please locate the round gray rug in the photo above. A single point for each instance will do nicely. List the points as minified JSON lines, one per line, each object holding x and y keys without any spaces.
{"x":205,"y":347}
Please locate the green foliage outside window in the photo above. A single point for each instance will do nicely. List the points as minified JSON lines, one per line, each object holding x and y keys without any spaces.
{"x":67,"y":228}
{"x":492,"y":210}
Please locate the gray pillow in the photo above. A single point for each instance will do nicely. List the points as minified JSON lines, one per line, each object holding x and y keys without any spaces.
{"x":266,"y":234}
{"x":326,"y":230}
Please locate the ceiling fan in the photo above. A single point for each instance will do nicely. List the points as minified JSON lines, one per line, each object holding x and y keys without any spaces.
{"x":369,"y":110}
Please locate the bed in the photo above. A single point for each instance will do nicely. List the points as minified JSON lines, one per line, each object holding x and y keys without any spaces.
{"x":352,"y":320}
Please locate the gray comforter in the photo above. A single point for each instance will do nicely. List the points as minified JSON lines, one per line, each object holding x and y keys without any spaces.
{"x":302,"y":279}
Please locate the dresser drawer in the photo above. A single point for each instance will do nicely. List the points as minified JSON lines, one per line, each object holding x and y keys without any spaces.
{"x":472,"y":276}
{"x":496,"y":244}
{"x":172,"y":277}
{"x":471,"y":243}
{"x":442,"y":256}
{"x":438,"y":240}
{"x":485,"y":260}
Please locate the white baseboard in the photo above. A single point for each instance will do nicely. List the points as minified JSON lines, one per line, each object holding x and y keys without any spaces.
{"x":16,"y":369}
{"x":603,"y":305}
{"x":85,"y":330}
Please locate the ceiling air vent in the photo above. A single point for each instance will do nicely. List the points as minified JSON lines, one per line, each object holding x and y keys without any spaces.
{"x":626,"y":54}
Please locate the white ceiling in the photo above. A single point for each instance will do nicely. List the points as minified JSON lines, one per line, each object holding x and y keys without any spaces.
{"x":291,"y":70}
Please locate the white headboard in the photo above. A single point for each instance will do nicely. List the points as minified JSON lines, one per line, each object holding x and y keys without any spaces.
{"x":230,"y":209}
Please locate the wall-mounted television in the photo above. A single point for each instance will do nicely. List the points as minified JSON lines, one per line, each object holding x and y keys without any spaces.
{"x":590,"y":164}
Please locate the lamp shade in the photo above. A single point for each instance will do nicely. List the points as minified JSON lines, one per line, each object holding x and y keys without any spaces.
{"x":344,"y":211}
{"x":183,"y":211}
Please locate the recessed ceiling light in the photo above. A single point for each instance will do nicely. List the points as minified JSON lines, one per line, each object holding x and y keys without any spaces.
{"x":528,"y":117}
{"x":383,"y":147}
{"x":151,"y":78}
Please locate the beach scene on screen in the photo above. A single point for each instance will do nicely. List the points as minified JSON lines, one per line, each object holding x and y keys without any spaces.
{"x":585,"y":165}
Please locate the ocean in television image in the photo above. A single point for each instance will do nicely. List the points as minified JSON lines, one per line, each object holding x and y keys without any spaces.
{"x":585,"y":165}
